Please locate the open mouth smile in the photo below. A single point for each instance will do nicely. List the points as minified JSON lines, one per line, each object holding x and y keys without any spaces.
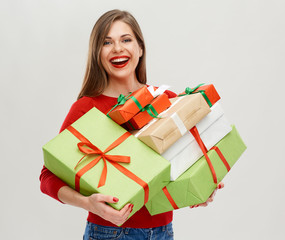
{"x":120,"y":61}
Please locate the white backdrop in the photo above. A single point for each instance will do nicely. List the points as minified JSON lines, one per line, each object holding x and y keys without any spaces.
{"x":237,"y":45}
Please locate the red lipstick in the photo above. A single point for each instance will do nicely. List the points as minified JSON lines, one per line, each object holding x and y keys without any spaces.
{"x":119,"y":61}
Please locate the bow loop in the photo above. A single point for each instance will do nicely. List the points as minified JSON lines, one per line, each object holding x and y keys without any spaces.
{"x":121,"y":100}
{"x":118,"y":158}
{"x":88,"y":148}
{"x":189,"y":90}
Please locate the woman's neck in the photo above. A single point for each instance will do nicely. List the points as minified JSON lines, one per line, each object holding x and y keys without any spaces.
{"x":117,"y":87}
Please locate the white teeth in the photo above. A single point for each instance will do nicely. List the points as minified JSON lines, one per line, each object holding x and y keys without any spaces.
{"x":120,"y":59}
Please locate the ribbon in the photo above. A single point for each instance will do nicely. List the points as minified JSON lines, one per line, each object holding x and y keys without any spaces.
{"x":170,"y":199}
{"x":189,"y":91}
{"x":86,"y":147}
{"x":122,"y":100}
{"x":222,"y":157}
{"x":164,"y":114}
{"x":198,"y":139}
{"x":130,"y":125}
{"x":196,"y":135}
{"x":150,"y":110}
{"x":157,"y":91}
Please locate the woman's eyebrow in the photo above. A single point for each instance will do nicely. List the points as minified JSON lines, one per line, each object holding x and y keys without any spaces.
{"x":124,"y":35}
{"x":127,"y":34}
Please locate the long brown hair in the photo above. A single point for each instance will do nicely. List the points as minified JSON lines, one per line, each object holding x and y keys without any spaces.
{"x":96,"y":79}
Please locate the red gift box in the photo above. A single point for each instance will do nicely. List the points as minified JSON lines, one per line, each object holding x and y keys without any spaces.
{"x":158,"y":105}
{"x":209,"y":93}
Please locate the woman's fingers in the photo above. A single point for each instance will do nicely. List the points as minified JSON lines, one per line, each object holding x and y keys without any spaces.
{"x":106,"y":198}
{"x":205,"y":204}
{"x":211,"y":198}
{"x":221,"y":185}
{"x":126,"y":212}
{"x":115,"y":216}
{"x":123,"y":214}
{"x":102,"y":209}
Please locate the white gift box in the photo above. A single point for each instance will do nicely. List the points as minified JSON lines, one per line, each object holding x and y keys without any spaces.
{"x":186,"y":151}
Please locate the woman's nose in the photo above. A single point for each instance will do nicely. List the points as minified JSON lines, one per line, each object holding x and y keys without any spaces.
{"x":117,"y":47}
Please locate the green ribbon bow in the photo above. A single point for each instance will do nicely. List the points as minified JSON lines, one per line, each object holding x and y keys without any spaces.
{"x":189,"y":91}
{"x":122,"y":100}
{"x":150,"y":110}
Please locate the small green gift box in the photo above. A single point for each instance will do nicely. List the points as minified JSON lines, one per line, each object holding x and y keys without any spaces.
{"x":96,"y":155}
{"x":196,"y":184}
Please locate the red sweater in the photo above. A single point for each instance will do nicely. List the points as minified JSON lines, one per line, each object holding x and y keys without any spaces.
{"x":50,"y":184}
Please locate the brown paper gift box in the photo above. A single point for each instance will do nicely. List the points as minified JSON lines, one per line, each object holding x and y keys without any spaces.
{"x":184,"y":113}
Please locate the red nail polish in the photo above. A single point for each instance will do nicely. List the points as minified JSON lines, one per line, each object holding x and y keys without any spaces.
{"x":115,"y":199}
{"x":219,"y":186}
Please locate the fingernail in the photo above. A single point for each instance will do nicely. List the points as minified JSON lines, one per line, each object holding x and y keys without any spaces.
{"x":219,"y":186}
{"x":115,"y":199}
{"x":132,"y":208}
{"x":191,"y":206}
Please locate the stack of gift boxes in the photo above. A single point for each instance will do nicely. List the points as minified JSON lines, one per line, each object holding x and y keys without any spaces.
{"x":173,"y":156}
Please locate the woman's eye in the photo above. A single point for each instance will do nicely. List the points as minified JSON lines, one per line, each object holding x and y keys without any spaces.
{"x":106,"y":43}
{"x":127,"y":40}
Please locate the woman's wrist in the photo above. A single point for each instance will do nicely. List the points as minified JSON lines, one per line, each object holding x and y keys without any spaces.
{"x":70,"y":196}
{"x":85,"y":203}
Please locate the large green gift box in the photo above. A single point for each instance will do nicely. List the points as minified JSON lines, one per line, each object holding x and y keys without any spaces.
{"x":133,"y":182}
{"x":196,"y":184}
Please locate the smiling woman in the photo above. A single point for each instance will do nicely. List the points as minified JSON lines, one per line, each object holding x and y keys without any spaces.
{"x":115,"y":34}
{"x":116,"y":65}
{"x":120,"y":56}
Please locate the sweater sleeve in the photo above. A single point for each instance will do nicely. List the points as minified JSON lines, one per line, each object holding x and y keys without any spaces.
{"x":170,"y":94}
{"x":50,"y":183}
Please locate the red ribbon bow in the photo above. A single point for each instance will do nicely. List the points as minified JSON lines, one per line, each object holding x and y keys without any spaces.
{"x":86,"y":147}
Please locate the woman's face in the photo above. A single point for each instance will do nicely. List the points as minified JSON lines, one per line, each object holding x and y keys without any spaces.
{"x":121,"y":52}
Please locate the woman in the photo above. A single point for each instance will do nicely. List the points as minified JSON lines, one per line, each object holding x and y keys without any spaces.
{"x":116,"y":65}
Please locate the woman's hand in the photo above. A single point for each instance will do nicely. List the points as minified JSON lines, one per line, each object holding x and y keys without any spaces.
{"x":96,"y":203}
{"x":211,"y":198}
